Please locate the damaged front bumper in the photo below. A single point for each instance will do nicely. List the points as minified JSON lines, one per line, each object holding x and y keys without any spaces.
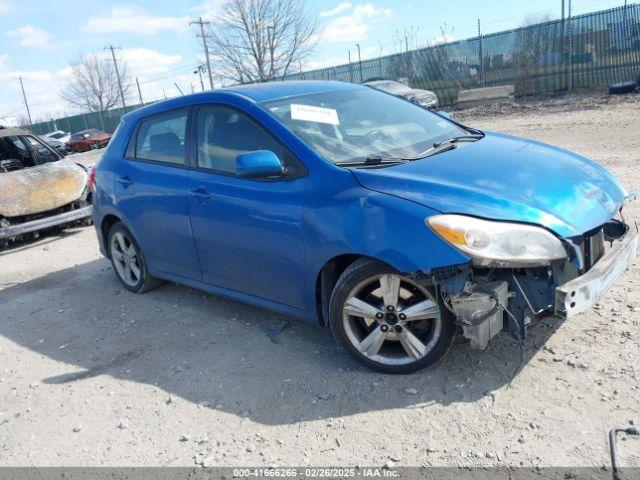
{"x":583,"y":292}
{"x":485,"y":300}
{"x":45,"y":222}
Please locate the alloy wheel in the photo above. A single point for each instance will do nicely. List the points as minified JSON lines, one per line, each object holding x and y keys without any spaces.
{"x":126,"y":259}
{"x":391,"y":320}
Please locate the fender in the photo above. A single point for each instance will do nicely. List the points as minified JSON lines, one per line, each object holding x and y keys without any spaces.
{"x":346,"y":218}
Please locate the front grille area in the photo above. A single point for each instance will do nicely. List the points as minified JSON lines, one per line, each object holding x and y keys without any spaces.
{"x":75,"y":205}
{"x":591,"y":246}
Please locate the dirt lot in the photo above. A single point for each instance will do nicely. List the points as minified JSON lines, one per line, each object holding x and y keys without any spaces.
{"x":93,"y":375}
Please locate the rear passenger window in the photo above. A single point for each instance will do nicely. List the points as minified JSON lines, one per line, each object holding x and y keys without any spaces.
{"x":161,"y":138}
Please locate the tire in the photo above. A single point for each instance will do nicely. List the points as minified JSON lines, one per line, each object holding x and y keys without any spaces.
{"x":620,"y":88}
{"x":390,"y":345}
{"x":128,"y":262}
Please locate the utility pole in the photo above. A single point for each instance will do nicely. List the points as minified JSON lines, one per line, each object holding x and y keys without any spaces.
{"x":199,"y":71}
{"x":115,"y":64}
{"x":570,"y":76}
{"x":360,"y":63}
{"x":350,"y":68}
{"x":481,"y":54}
{"x":179,"y":89}
{"x":204,"y":44}
{"x":26,"y":104}
{"x":67,"y":119}
{"x":139,"y":91}
{"x":564,"y":45}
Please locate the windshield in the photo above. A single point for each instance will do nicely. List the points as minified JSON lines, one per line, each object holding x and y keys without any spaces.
{"x":353,"y":125}
{"x":92,"y":133}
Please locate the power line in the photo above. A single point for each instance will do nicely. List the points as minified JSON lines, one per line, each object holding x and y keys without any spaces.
{"x":168,"y":74}
{"x":206,"y":48}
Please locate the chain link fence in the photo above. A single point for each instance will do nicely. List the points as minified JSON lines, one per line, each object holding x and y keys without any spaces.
{"x":107,"y":121}
{"x":596,"y":49}
{"x":591,"y":50}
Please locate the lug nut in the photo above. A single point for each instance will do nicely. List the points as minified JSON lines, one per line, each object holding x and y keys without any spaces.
{"x":391,"y":308}
{"x":384,"y":328}
{"x":398,"y":328}
{"x":403,"y":316}
{"x":379,"y":316}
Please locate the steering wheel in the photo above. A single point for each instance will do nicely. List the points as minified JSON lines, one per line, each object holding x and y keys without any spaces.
{"x":374,"y":135}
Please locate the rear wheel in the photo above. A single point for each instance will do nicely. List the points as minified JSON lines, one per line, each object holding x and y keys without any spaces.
{"x":388,"y":321}
{"x":128,"y":261}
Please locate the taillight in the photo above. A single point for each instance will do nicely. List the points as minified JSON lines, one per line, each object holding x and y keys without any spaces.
{"x":92,"y":178}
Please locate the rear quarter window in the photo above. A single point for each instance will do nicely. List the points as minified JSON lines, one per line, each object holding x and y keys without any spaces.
{"x":161,"y":138}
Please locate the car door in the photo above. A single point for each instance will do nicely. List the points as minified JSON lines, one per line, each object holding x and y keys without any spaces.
{"x":248,"y":231}
{"x":74,"y":142}
{"x":152,"y":188}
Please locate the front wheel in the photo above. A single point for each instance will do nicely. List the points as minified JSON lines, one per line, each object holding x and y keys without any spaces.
{"x":387,"y":321}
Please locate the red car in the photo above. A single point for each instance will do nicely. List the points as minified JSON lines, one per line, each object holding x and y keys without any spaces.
{"x":88,"y":140}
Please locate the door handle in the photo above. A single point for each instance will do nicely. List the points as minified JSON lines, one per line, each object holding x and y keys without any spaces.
{"x":125,"y":181}
{"x":201,"y":194}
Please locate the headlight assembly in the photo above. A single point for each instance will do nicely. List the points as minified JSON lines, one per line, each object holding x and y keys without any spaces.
{"x":498,"y":244}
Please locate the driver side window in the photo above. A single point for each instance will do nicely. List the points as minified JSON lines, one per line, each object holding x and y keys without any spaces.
{"x":224,"y":133}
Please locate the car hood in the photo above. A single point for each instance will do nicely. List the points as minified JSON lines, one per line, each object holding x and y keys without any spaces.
{"x":41,"y":188}
{"x":507,"y":178}
{"x":422,"y":94}
{"x":99,"y":138}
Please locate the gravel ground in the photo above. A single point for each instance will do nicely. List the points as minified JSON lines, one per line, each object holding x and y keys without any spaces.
{"x":92,"y":375}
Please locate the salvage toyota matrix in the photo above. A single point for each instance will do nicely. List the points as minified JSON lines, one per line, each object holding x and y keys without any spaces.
{"x":393,"y":225}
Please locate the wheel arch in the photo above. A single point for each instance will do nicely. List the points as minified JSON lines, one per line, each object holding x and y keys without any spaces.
{"x":327,"y":278}
{"x":108,"y":221}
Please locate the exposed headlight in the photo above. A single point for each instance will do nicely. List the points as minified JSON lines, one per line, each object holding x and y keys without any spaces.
{"x":498,"y":244}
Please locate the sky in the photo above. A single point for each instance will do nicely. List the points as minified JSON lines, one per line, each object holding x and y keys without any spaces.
{"x":41,"y":38}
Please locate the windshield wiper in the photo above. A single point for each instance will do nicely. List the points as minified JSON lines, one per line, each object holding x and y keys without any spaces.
{"x":461,"y":138}
{"x":375,"y":160}
{"x":438,"y":147}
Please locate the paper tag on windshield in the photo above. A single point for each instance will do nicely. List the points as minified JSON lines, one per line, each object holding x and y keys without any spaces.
{"x":309,"y":113}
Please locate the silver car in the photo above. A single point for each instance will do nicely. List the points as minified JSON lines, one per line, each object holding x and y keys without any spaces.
{"x":424,"y":98}
{"x":39,"y":189}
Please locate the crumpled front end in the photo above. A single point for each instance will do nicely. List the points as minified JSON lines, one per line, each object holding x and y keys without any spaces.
{"x":41,"y":188}
{"x":41,"y":197}
{"x":485,"y":299}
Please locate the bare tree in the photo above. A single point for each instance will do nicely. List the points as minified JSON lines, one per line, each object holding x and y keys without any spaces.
{"x":93,"y":85}
{"x":535,"y":42}
{"x":260,"y":40}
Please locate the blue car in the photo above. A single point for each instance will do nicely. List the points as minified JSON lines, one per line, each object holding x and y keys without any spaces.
{"x":395,"y":226}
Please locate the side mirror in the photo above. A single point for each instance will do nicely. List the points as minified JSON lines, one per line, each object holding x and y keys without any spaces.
{"x":444,"y":114}
{"x":258,"y":164}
